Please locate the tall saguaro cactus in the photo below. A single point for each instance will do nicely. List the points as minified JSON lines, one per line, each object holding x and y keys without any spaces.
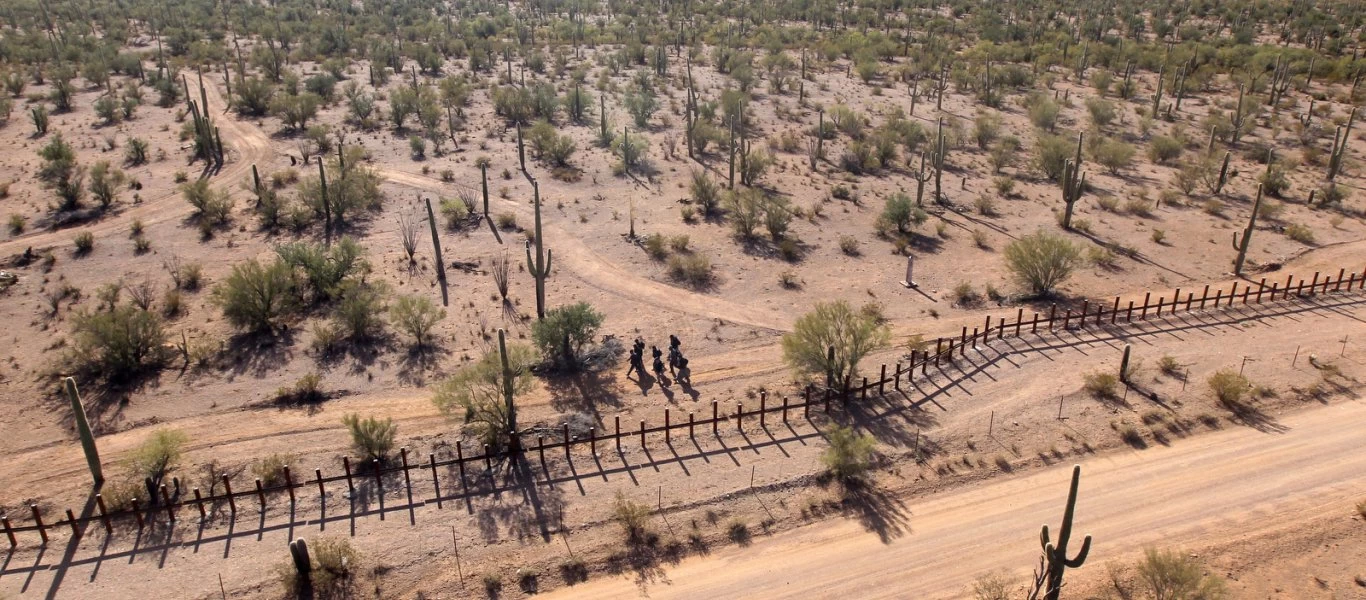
{"x":511,"y":408}
{"x":1055,"y":555}
{"x":92,"y":454}
{"x":937,"y":161}
{"x":1239,"y":117}
{"x":1241,"y":244}
{"x":540,"y":267}
{"x":1073,"y":182}
{"x":1340,"y":146}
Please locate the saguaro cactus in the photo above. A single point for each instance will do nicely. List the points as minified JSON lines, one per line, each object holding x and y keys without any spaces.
{"x":937,"y":161}
{"x":92,"y":454}
{"x":921,"y":176}
{"x":1240,"y":244}
{"x":1239,"y":117}
{"x":484,"y":185}
{"x":1055,"y":556}
{"x":540,"y":267}
{"x":941,"y":87}
{"x":436,"y":249}
{"x":298,"y":550}
{"x":1157,"y":95}
{"x":507,"y":388}
{"x":521,"y":149}
{"x":1223,"y":175}
{"x":1124,"y":364}
{"x":1073,"y":182}
{"x":1340,"y":146}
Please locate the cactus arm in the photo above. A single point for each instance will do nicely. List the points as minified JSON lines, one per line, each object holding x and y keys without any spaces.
{"x":1073,"y":563}
{"x":549,"y":255}
{"x":530,"y":264}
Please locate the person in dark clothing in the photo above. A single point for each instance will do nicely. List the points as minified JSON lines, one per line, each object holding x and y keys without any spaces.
{"x":637,"y":365}
{"x":658,"y":363}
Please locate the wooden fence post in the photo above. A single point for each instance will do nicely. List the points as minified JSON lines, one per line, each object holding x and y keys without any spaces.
{"x":318,"y":476}
{"x":690,"y":425}
{"x":1052,"y":314}
{"x":715,"y":417}
{"x":1337,"y":287}
{"x":784,"y":408}
{"x":881,"y":380}
{"x":739,"y":416}
{"x":436,"y":481}
{"x":9,"y":532}
{"x":642,"y":434}
{"x":346,"y":467}
{"x":38,"y":519}
{"x":227,"y":490}
{"x":137,"y":512}
{"x":1019,"y":320}
{"x":1143,"y":315}
{"x":460,"y":462}
{"x":166,"y":500}
{"x":289,"y":484}
{"x":75,"y":527}
{"x":1176,"y":299}
{"x":260,"y":494}
{"x":407,"y":480}
{"x":763,"y":403}
{"x":104,"y":513}
{"x":379,"y":484}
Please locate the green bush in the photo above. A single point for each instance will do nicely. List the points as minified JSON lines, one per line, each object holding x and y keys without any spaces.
{"x":416,"y":316}
{"x":1177,"y":576}
{"x":901,"y":212}
{"x":1163,"y":149}
{"x":158,"y":454}
{"x":359,"y":312}
{"x":1229,"y":387}
{"x":1101,"y":384}
{"x":565,"y":330}
{"x":257,"y":297}
{"x":833,"y":324}
{"x":633,"y":517}
{"x":476,"y":392}
{"x":849,"y":455}
{"x":371,"y":437}
{"x":119,"y":343}
{"x":84,"y":242}
{"x":693,"y":269}
{"x":1042,"y":261}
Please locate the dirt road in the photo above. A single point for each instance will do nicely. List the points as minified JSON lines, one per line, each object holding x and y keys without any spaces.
{"x":1221,"y":486}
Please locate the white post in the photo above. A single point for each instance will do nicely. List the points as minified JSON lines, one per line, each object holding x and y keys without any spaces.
{"x":910,"y":264}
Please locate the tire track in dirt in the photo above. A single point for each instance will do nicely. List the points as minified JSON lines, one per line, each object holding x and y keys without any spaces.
{"x":249,"y":146}
{"x":580,"y":259}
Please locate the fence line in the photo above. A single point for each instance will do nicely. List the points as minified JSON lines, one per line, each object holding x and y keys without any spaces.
{"x":174,"y":500}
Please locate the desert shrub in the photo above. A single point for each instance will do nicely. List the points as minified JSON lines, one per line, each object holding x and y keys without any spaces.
{"x":1300,"y":233}
{"x":1101,"y":384}
{"x":849,"y":245}
{"x":833,"y":324}
{"x":573,"y":570}
{"x":986,"y":128}
{"x":849,"y":455}
{"x":738,"y":531}
{"x":1042,"y":261}
{"x":788,"y":279}
{"x":1228,"y":387}
{"x":1114,"y":155}
{"x":985,"y":205}
{"x":993,"y":586}
{"x":271,"y":469}
{"x":565,"y":330}
{"x":1140,"y":205}
{"x":158,"y":454}
{"x":329,"y":271}
{"x":61,"y":173}
{"x":119,"y":343}
{"x":1043,"y":112}
{"x":105,"y":182}
{"x":633,"y":517}
{"x":16,"y":223}
{"x":693,"y":269}
{"x":84,"y":243}
{"x":746,"y":211}
{"x":1275,"y":180}
{"x":657,"y":246}
{"x":1005,"y":186}
{"x":1170,"y":575}
{"x":965,"y":295}
{"x":705,"y":192}
{"x":1213,"y":207}
{"x":1159,"y":236}
{"x":1129,"y":434}
{"x":901,"y":212}
{"x":359,"y":311}
{"x":1102,"y":111}
{"x":307,"y":389}
{"x":475,"y":393}
{"x":255,"y":296}
{"x":1169,"y":366}
{"x":371,"y":437}
{"x":211,"y":206}
{"x":679,"y":243}
{"x":1163,"y":149}
{"x":548,"y":145}
{"x":416,"y":316}
{"x":1052,"y":154}
{"x":456,"y":212}
{"x":135,"y":152}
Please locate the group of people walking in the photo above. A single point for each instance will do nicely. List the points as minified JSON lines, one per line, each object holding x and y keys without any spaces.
{"x":677,"y":362}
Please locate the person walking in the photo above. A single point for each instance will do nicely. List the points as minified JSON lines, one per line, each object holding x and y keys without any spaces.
{"x":637,"y":365}
{"x":658,"y":364}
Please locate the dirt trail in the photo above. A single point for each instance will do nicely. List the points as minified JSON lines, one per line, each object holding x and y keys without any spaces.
{"x":1228,"y":485}
{"x":578,"y":258}
{"x":249,"y":145}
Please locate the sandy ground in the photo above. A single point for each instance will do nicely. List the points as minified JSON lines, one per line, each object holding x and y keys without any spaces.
{"x":1235,"y":484}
